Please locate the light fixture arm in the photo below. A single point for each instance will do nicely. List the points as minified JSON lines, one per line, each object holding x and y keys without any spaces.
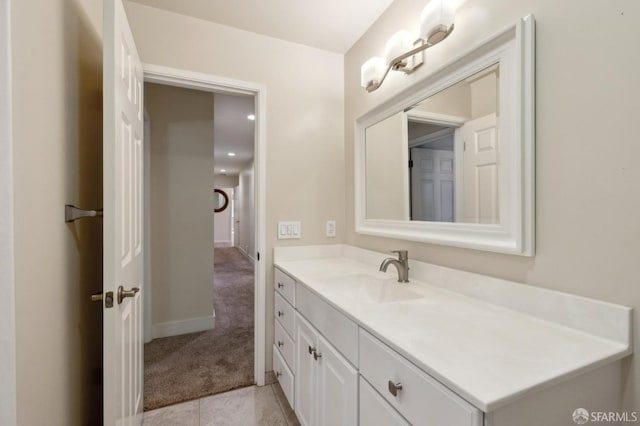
{"x":399,"y":59}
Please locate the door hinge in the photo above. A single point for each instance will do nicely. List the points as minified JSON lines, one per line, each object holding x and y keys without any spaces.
{"x":258,"y":255}
{"x":410,"y":164}
{"x":464,"y":146}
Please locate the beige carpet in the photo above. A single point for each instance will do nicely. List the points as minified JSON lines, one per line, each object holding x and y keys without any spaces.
{"x":181,"y":368}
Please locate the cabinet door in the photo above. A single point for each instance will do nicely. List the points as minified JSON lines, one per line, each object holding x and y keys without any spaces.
{"x":337,"y":387}
{"x":306,"y":366}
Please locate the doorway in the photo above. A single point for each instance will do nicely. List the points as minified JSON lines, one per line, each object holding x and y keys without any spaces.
{"x":253,"y":281}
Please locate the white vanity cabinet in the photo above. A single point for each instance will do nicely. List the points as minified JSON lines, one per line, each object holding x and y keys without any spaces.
{"x":471,"y":351}
{"x":315,"y":346}
{"x":326,"y":383}
{"x":414,"y":394}
{"x":284,"y":345}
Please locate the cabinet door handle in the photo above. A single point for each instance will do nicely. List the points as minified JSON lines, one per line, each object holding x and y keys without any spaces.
{"x":280,"y":285}
{"x":394,"y":387}
{"x":280,"y":313}
{"x":311,"y":350}
{"x":316,"y":355}
{"x":280,"y":343}
{"x":278,"y":374}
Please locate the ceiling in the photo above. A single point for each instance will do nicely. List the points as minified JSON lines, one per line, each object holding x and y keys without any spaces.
{"x":333,"y":25}
{"x":233,"y":132}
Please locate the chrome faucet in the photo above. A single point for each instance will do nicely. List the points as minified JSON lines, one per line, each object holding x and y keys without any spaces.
{"x":401,"y":264}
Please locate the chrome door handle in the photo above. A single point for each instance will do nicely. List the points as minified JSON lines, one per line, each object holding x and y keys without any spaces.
{"x":278,"y":374}
{"x":280,"y":343}
{"x":280,"y":285}
{"x":394,"y":387}
{"x":280,"y":313}
{"x":311,"y":350}
{"x":316,"y":355}
{"x":122,"y":293}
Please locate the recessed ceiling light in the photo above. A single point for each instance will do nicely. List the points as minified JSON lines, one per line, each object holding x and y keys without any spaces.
{"x":231,"y":154}
{"x":251,"y":117}
{"x":222,"y":170}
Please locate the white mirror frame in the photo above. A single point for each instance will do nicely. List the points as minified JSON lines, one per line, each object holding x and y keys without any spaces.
{"x":514,"y":49}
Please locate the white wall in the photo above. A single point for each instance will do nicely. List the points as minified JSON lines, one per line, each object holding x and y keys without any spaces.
{"x":222,"y":220}
{"x":246,"y":211}
{"x":7,"y":313}
{"x":57,"y":158}
{"x":587,"y":91}
{"x":226,"y":181}
{"x":305,"y":116}
{"x":182,"y":211}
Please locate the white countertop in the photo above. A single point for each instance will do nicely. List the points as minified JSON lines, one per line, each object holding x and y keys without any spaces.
{"x":487,"y":353}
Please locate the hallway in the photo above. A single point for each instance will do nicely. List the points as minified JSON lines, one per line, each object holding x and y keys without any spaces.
{"x":186,"y":367}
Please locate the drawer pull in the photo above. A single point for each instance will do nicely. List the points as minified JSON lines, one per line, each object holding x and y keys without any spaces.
{"x":280,"y":343}
{"x":316,"y":355}
{"x":280,"y":285}
{"x":394,"y":388}
{"x":311,"y":350}
{"x":278,"y":374}
{"x":280,"y":313}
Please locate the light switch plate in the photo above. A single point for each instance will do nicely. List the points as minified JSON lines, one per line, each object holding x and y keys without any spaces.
{"x":331,"y":228}
{"x":288,"y":230}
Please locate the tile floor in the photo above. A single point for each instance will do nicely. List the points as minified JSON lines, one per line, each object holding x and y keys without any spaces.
{"x":251,"y":406}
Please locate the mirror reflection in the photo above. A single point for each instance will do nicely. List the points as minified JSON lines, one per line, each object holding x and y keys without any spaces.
{"x":438,"y":160}
{"x":220,"y":200}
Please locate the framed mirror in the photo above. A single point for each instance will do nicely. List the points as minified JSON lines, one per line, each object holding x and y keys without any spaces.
{"x":220,"y":200}
{"x":450,"y":160}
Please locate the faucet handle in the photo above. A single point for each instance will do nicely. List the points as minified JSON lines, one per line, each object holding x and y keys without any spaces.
{"x":402,"y":254}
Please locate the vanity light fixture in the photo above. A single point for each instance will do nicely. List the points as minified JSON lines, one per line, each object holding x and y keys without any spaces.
{"x":402,"y":53}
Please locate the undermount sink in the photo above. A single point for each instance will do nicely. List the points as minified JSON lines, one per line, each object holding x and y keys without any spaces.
{"x":371,"y":289}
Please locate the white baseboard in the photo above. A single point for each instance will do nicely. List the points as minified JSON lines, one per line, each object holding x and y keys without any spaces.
{"x":251,"y":259}
{"x":222,"y":242}
{"x":175,"y":328}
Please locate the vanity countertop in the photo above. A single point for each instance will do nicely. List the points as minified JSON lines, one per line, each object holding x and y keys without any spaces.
{"x":488,"y":353}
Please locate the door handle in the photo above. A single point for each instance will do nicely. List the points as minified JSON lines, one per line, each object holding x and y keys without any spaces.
{"x":122,"y":293}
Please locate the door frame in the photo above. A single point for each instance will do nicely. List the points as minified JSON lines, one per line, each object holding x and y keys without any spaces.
{"x":8,"y":415}
{"x":217,"y":84}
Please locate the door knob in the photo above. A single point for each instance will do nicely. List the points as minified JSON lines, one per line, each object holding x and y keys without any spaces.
{"x":122,"y":293}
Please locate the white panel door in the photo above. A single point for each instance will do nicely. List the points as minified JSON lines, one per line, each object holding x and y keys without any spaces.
{"x":306,"y":365}
{"x":481,"y":170}
{"x":337,"y":388}
{"x":432,"y":185}
{"x":123,"y":201}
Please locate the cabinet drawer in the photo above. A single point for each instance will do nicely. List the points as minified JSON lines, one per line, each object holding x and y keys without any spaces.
{"x":284,"y":376}
{"x":339,"y":330}
{"x":374,"y":410}
{"x":285,"y":346}
{"x":422,"y":400}
{"x":285,"y":285}
{"x":284,"y":314}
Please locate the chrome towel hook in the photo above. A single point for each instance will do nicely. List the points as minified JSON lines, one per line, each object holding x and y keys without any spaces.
{"x":72,"y":213}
